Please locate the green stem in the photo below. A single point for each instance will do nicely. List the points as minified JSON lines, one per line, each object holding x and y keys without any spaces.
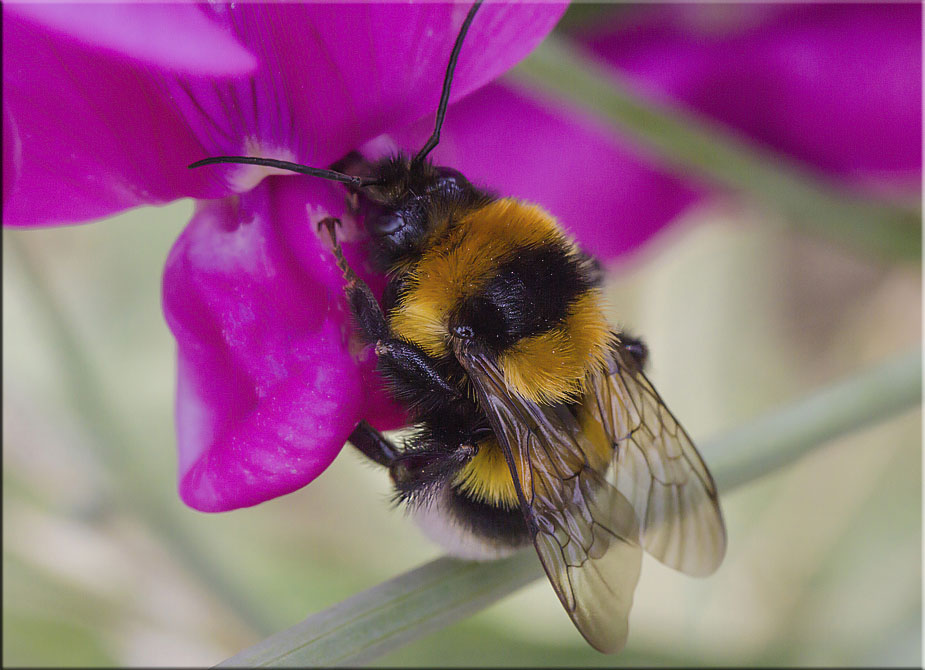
{"x":393,"y":613}
{"x":693,"y":144}
{"x":444,"y":591}
{"x":116,"y":447}
{"x":777,"y":439}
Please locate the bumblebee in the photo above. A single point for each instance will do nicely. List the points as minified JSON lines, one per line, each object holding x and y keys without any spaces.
{"x":534,"y":420}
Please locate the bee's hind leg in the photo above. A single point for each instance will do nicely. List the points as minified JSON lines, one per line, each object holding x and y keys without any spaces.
{"x":373,"y":444}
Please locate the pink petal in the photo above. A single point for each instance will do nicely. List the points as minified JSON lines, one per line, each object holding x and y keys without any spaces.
{"x":838,"y":86}
{"x":296,"y":205}
{"x":605,"y":194}
{"x":99,"y":135}
{"x":382,"y":411}
{"x":351,"y":71}
{"x":88,"y":133}
{"x":783,"y":75}
{"x":177,"y":37}
{"x":272,"y":379}
{"x":278,"y":441}
{"x":12,"y":153}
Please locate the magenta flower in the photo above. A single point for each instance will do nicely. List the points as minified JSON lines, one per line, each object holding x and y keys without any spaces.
{"x":104,"y":106}
{"x":836,"y":86}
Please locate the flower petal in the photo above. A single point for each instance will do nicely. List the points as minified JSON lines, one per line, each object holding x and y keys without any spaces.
{"x":600,"y":189}
{"x":838,"y":86}
{"x":348,"y":73}
{"x":177,"y":37}
{"x":272,"y":379}
{"x":296,"y":206}
{"x":784,"y":75}
{"x":94,"y":133}
{"x":102,"y":135}
{"x":12,"y":153}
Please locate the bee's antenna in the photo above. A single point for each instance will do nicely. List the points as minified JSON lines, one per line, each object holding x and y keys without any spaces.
{"x":333,"y":175}
{"x":363,"y":182}
{"x":447,"y":81}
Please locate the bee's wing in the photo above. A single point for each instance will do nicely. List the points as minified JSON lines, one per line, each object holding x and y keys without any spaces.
{"x":658,"y":469}
{"x":584,"y":529}
{"x":589,"y":515}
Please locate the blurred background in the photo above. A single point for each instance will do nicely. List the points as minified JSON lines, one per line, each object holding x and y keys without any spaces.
{"x":104,"y":566}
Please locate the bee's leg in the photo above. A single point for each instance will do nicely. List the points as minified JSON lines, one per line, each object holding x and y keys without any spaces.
{"x":635,"y":348}
{"x":413,"y":374}
{"x":373,"y":444}
{"x":412,"y":471}
{"x":366,"y":310}
{"x":410,"y":370}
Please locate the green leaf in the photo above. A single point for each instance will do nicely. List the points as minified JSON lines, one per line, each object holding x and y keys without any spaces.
{"x":393,"y":613}
{"x":700,"y":148}
{"x":779,"y":438}
{"x":447,"y":590}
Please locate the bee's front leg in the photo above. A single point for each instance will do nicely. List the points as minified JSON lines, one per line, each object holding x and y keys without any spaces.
{"x":363,"y":304}
{"x":412,"y":374}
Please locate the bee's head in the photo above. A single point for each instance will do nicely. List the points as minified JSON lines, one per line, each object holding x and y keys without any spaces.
{"x":408,"y":201}
{"x":405,"y":197}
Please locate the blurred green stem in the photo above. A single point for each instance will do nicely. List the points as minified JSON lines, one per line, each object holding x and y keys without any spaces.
{"x":696,"y":146}
{"x":779,"y":438}
{"x":119,"y":450}
{"x":439,"y":593}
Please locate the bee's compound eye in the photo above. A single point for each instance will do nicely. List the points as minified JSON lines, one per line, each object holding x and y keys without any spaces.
{"x":388,"y":223}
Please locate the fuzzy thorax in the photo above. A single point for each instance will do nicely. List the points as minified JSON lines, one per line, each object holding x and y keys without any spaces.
{"x":507,"y":248}
{"x":460,"y":260}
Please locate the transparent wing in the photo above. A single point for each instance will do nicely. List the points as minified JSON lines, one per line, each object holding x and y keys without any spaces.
{"x":657,"y":468}
{"x":599,"y":482}
{"x":584,"y":529}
